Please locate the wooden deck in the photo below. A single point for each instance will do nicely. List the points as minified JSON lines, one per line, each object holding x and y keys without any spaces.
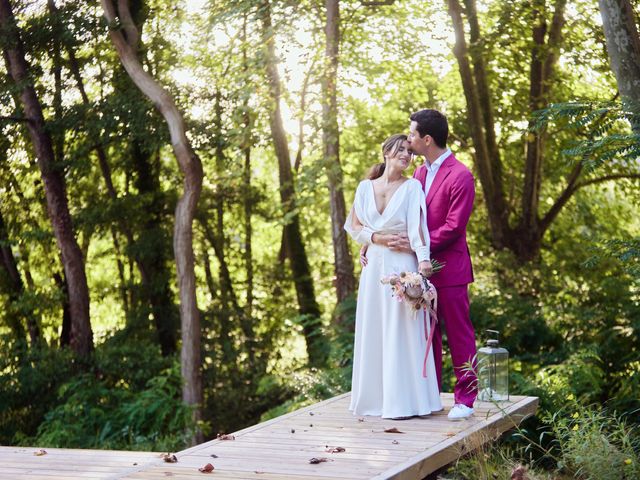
{"x":282,"y":447}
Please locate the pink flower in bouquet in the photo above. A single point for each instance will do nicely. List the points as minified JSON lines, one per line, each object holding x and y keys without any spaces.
{"x":411,"y":288}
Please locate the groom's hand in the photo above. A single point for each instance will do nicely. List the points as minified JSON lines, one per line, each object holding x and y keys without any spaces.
{"x":400,"y":243}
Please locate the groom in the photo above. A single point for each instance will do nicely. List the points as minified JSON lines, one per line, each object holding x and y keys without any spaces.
{"x":449,"y":189}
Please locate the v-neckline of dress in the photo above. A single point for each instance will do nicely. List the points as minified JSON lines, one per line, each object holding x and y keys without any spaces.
{"x":375,"y":205}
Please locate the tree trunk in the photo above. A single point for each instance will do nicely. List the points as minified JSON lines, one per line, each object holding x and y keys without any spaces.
{"x":228,"y":298}
{"x":623,"y":47}
{"x":295,"y":249}
{"x":153,"y":252}
{"x":74,"y":67}
{"x":529,"y":234}
{"x":343,"y":262}
{"x":81,"y":335}
{"x":493,"y":196}
{"x":247,"y":321}
{"x":191,"y":167}
{"x":14,"y":285}
{"x":152,"y":247}
{"x":476,"y":52}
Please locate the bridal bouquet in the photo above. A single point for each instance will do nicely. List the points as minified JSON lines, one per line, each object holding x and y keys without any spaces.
{"x":411,"y":287}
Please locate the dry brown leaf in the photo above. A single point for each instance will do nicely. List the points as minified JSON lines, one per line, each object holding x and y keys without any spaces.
{"x":315,"y":460}
{"x":208,"y":468}
{"x":450,"y":434}
{"x":335,"y":450}
{"x":40,"y":452}
{"x":222,"y":436}
{"x":519,"y":473}
{"x":170,"y":458}
{"x":392,"y":430}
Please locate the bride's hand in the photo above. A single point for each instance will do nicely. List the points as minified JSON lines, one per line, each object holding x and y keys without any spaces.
{"x":425,"y":268}
{"x":363,"y":256}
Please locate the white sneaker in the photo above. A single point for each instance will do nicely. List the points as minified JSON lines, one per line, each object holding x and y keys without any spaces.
{"x":459,"y":412}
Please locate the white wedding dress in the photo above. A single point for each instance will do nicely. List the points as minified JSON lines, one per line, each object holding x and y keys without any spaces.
{"x":390,"y":342}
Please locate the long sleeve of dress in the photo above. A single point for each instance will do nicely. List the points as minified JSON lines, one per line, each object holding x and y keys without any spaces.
{"x":417,"y":222}
{"x":354,"y":226}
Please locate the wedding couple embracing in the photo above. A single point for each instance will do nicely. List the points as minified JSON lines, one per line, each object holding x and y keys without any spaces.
{"x":404,"y":223}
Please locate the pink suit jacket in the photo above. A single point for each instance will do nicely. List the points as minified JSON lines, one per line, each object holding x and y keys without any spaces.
{"x":449,"y":205}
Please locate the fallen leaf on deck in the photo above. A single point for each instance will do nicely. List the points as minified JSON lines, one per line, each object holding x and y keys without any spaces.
{"x":318,"y":460}
{"x":392,"y":430}
{"x":361,"y":419}
{"x":208,"y":468}
{"x":40,"y":452}
{"x":213,"y":455}
{"x":225,"y":437}
{"x":293,"y":430}
{"x":395,"y":442}
{"x":450,"y":434}
{"x":311,"y":413}
{"x":136,"y":463}
{"x":169,"y":458}
{"x":335,"y":450}
{"x":258,"y":472}
{"x":168,"y":474}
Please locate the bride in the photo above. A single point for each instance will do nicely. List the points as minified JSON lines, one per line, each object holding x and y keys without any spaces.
{"x":390,"y":338}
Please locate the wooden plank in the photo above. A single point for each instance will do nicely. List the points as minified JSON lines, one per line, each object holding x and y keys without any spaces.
{"x":453,"y":448}
{"x":226,"y":474}
{"x":273,"y":420}
{"x":19,"y":462}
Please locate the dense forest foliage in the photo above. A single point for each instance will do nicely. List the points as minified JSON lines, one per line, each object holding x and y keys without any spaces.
{"x":174,"y":177}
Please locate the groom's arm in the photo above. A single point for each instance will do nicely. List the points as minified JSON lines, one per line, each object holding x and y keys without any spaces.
{"x":462,"y":195}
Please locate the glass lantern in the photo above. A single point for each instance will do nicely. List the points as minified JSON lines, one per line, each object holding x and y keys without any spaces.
{"x":493,"y":370}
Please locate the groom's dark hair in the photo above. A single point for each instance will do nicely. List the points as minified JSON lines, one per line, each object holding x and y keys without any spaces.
{"x":433,"y":123}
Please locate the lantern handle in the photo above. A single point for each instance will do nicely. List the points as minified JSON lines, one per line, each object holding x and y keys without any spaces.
{"x":496,"y":332}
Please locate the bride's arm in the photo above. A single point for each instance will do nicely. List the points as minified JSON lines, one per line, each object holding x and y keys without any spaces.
{"x":354,"y":227}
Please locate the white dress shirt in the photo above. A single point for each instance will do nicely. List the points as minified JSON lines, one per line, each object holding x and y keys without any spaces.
{"x":433,"y":168}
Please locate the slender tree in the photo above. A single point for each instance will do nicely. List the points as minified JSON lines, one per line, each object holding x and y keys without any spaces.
{"x":124,"y":34}
{"x":343,"y":262}
{"x":81,"y":335}
{"x":294,"y":244}
{"x":11,"y":283}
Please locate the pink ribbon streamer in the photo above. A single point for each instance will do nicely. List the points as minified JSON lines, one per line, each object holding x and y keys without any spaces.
{"x":433,"y":313}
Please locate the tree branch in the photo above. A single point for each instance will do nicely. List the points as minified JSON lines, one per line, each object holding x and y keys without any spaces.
{"x":606,"y":178}
{"x":377,"y":4}
{"x":14,"y":119}
{"x":573,"y":186}
{"x":563,"y":198}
